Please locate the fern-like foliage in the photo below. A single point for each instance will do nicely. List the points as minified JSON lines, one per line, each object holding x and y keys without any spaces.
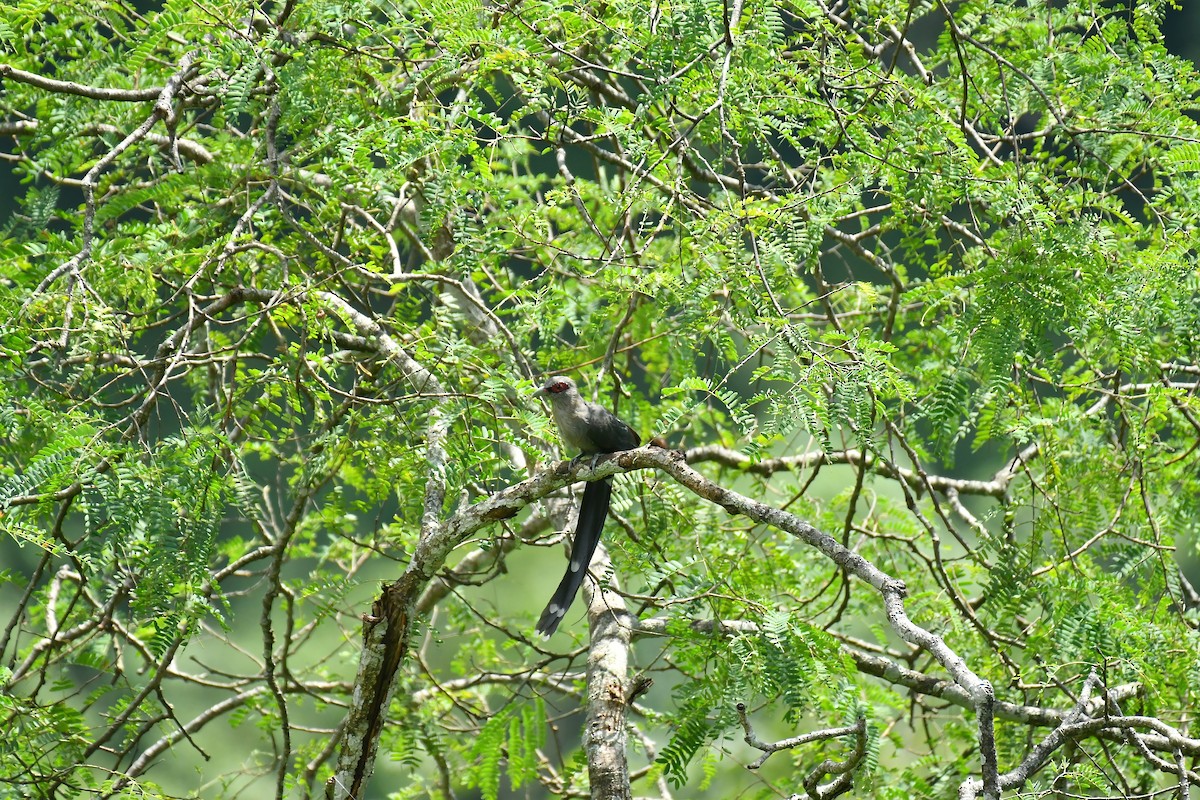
{"x":510,"y":739}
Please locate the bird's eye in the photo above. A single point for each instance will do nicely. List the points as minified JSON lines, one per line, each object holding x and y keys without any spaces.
{"x":561,"y":386}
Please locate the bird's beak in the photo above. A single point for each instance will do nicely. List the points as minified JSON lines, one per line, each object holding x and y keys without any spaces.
{"x":536,"y":393}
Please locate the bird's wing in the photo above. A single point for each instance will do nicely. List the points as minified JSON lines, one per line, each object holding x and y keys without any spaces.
{"x":609,"y":434}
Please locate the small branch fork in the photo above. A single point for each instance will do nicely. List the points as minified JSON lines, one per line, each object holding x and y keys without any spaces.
{"x":164,"y":110}
{"x":1095,"y":714}
{"x":1079,"y":724}
{"x":842,"y":771}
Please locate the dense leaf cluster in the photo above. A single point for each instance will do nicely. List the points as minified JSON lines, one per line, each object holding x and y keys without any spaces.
{"x":926,"y":272}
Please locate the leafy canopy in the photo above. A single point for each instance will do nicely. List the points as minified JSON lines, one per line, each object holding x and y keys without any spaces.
{"x":950,"y":247}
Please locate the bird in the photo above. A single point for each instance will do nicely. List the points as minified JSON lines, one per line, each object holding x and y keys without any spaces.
{"x":594,"y":431}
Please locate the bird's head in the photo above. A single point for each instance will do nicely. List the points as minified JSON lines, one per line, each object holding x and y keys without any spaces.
{"x":556,"y":387}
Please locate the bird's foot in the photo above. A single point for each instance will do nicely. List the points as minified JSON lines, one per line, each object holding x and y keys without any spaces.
{"x":594,"y":460}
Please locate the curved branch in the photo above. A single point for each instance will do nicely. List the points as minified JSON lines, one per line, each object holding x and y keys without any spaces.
{"x":70,"y":87}
{"x":918,"y":682}
{"x":996,"y":487}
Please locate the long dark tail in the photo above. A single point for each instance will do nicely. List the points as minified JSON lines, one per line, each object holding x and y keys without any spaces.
{"x":592,"y":511}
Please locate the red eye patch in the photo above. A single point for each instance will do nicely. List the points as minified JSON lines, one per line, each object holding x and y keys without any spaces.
{"x":561,"y":386}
